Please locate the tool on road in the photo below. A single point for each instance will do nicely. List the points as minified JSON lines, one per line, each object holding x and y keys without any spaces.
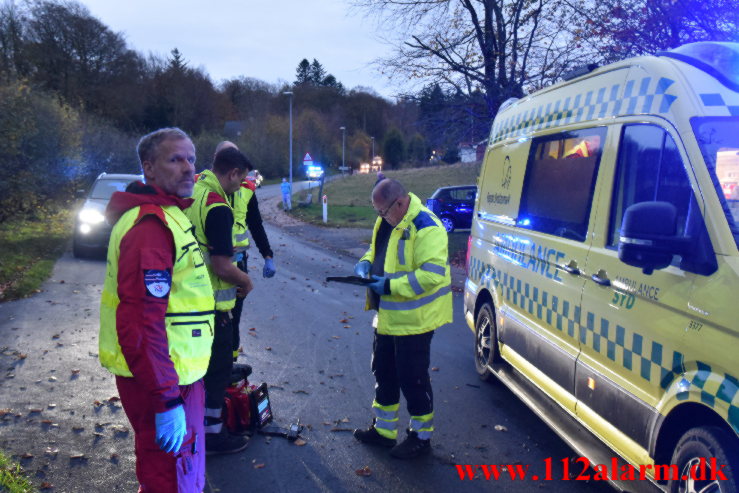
{"x":291,"y":433}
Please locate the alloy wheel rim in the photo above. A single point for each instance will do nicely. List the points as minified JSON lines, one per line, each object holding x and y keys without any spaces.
{"x":692,"y":485}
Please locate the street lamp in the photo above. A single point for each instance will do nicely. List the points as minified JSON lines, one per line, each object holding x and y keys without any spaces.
{"x":290,"y":93}
{"x":373,"y":148}
{"x":343,"y":146}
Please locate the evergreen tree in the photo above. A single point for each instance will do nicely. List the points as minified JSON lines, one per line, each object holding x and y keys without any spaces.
{"x":303,"y":73}
{"x":317,"y":73}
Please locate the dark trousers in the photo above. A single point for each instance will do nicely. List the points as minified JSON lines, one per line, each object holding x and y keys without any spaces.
{"x":236,"y":312}
{"x":218,"y":376}
{"x":156,"y":470}
{"x":401,"y":363}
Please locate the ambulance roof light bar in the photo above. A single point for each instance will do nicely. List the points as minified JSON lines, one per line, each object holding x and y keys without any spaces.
{"x":719,"y":60}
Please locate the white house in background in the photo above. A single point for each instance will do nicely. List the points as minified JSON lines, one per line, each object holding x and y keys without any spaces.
{"x":471,"y":152}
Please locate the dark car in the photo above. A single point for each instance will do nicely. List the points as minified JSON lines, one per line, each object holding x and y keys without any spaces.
{"x":91,"y":230}
{"x":454,"y":206}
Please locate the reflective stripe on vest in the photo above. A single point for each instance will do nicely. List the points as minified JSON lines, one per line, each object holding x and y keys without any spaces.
{"x":197,"y":213}
{"x":189,"y":317}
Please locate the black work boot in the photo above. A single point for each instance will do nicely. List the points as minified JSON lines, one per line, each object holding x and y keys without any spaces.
{"x":224,"y":443}
{"x":371,"y":437}
{"x":411,"y":447}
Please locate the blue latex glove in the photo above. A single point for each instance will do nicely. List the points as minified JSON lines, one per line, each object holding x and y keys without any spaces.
{"x":269,"y":268}
{"x":362,"y":268}
{"x":379,"y":286}
{"x":171,"y":429}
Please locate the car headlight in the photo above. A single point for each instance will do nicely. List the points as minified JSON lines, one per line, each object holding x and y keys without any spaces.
{"x":91,"y":216}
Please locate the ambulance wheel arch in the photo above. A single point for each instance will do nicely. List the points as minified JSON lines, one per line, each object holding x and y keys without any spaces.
{"x":682,"y":420}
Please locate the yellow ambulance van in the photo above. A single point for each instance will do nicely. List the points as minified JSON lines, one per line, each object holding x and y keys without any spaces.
{"x":603,"y":263}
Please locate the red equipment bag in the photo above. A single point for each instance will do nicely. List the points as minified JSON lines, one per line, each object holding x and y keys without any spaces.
{"x":237,"y":411}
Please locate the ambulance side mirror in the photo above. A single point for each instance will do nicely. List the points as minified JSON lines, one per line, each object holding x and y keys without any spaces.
{"x":648,"y":236}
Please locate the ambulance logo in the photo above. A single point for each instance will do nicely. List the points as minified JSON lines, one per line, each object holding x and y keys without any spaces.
{"x":157,"y":282}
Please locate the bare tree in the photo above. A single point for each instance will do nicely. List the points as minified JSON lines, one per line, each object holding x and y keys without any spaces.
{"x":502,"y":48}
{"x":617,"y":29}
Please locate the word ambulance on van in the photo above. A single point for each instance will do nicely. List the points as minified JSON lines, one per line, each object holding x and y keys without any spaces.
{"x":603,"y":263}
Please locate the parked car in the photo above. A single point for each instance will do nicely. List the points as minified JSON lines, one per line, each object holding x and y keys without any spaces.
{"x":91,"y":230}
{"x":454,"y":205}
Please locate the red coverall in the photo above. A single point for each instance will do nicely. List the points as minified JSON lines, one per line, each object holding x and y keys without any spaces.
{"x":141,"y":333}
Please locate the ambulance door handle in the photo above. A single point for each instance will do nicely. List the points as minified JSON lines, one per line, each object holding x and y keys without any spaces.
{"x":571,"y":268}
{"x":601,"y":277}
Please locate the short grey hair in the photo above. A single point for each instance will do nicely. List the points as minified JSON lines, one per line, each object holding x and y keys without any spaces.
{"x":149,"y":144}
{"x":388,"y":190}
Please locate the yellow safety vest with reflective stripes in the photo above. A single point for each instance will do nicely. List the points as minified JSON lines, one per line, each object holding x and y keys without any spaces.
{"x":417,"y":264}
{"x":240,"y":203}
{"x":224,"y":293}
{"x":189,"y":317}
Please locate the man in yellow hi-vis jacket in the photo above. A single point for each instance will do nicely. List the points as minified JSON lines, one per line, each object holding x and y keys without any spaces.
{"x":409,"y":263}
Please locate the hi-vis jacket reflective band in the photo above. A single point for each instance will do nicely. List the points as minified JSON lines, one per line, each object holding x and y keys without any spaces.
{"x":240,"y":203}
{"x":189,"y":316}
{"x":224,"y":293}
{"x":417,"y":264}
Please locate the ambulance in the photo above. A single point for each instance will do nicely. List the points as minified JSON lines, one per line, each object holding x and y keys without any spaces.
{"x":603,"y":264}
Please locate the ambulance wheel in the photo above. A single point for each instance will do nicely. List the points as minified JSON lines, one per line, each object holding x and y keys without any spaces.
{"x":705,"y":442}
{"x":448,"y":223}
{"x":485,"y":341}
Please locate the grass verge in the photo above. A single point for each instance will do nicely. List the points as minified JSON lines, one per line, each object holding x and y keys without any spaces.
{"x":349,"y":197}
{"x":30,"y":248}
{"x":12,"y":477}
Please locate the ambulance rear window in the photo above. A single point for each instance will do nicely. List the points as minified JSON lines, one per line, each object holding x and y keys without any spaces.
{"x":720,"y":60}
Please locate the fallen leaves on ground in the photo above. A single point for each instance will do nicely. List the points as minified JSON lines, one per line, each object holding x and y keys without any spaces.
{"x":300,"y":442}
{"x":364,"y":471}
{"x":500,"y":428}
{"x":435,"y":368}
{"x":46,"y":485}
{"x":259,"y":466}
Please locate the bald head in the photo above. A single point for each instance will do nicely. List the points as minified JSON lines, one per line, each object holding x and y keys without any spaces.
{"x":224,"y":145}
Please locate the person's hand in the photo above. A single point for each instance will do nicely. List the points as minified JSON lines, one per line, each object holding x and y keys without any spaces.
{"x":362,"y":268}
{"x":379,"y":286}
{"x":244,"y":289}
{"x":170,"y":429}
{"x":269,"y":267}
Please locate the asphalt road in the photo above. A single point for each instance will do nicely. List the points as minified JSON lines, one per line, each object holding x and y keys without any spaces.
{"x":310,"y":341}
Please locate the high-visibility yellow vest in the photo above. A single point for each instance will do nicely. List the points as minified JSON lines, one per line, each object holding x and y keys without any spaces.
{"x":223,"y":292}
{"x":189,"y":317}
{"x":240,"y":203}
{"x":417,"y":264}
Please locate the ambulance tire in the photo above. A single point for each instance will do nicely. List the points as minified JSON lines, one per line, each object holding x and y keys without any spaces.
{"x":708,"y":442}
{"x":486,"y":338}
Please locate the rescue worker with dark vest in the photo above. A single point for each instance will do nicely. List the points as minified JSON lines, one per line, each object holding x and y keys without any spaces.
{"x":247,"y":219}
{"x":409,"y":264}
{"x":212,"y":216}
{"x":156,"y":316}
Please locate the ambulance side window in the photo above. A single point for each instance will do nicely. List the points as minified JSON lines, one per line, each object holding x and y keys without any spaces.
{"x":650,"y":168}
{"x":559,"y":183}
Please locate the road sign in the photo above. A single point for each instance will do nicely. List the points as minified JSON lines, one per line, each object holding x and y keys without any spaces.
{"x":307,"y":160}
{"x":343,"y":168}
